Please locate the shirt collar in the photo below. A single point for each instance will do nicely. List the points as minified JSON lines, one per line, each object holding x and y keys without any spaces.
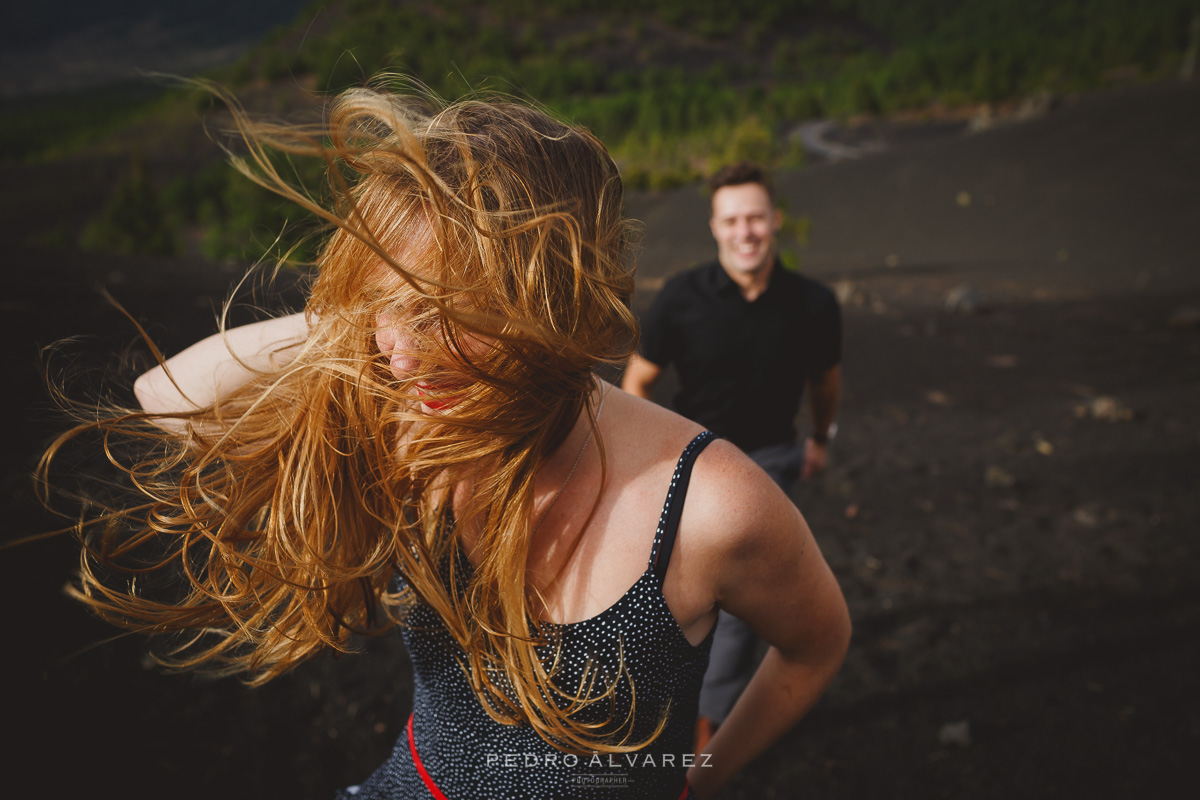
{"x":724,"y":286}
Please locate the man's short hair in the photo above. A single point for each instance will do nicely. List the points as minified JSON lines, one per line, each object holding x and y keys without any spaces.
{"x":739,"y":174}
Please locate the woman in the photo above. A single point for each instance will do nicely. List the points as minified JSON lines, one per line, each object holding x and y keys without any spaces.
{"x":427,"y":445}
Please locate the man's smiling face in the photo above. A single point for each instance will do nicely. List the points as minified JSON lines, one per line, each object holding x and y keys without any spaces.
{"x":744,"y":223}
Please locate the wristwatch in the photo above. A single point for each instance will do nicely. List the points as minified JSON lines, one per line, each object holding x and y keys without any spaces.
{"x":827,"y":437}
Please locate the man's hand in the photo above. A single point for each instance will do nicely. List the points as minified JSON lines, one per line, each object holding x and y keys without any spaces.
{"x":815,"y":456}
{"x":824,"y":389}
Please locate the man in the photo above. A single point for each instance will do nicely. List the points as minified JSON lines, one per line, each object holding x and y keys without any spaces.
{"x":745,"y":336}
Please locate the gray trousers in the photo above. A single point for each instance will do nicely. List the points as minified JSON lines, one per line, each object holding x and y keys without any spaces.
{"x":735,"y":647}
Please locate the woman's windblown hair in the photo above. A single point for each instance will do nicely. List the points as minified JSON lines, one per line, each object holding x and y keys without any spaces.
{"x":495,"y":235}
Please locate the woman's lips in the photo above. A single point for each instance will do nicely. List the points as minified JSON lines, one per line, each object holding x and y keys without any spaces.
{"x":447,"y":400}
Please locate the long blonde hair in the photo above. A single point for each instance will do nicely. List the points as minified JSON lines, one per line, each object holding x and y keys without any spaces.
{"x":497,"y":235}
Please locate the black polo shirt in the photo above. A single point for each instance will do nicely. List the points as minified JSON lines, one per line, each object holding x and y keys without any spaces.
{"x":742,"y":366}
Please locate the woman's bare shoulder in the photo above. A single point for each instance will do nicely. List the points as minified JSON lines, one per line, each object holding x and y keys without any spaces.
{"x":728,"y":495}
{"x":734,"y":510}
{"x":636,"y":426}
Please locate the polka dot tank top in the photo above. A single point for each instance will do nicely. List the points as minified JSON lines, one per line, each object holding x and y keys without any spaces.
{"x":452,"y":749}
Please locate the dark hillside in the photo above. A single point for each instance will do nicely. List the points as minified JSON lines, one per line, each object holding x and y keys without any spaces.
{"x":62,"y":45}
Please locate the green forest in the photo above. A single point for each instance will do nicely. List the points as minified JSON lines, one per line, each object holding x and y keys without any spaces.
{"x":674,"y":89}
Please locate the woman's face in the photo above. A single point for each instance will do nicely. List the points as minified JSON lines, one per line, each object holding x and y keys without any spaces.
{"x":404,"y":333}
{"x":399,"y":343}
{"x":395,"y":340}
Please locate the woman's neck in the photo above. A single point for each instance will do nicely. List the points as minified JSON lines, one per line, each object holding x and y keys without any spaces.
{"x":571,"y":466}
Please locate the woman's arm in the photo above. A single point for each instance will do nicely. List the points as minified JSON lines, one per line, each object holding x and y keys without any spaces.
{"x":219,"y":364}
{"x":769,"y":572}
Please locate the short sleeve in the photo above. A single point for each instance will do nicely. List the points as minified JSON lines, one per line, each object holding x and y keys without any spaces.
{"x":656,"y":344}
{"x":825,"y":333}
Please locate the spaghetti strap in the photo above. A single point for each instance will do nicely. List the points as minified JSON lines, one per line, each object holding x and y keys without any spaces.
{"x":668,"y":521}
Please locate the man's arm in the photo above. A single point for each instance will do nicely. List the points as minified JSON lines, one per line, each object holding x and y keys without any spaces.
{"x":824,"y":389}
{"x":640,"y":376}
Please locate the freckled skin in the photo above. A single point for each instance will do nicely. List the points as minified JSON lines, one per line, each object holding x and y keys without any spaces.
{"x":394,"y":341}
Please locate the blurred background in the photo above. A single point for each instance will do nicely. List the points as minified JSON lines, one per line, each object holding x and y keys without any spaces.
{"x":1005,"y":195}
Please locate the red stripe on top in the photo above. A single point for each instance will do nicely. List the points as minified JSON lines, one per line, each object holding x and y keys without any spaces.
{"x":429,"y":784}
